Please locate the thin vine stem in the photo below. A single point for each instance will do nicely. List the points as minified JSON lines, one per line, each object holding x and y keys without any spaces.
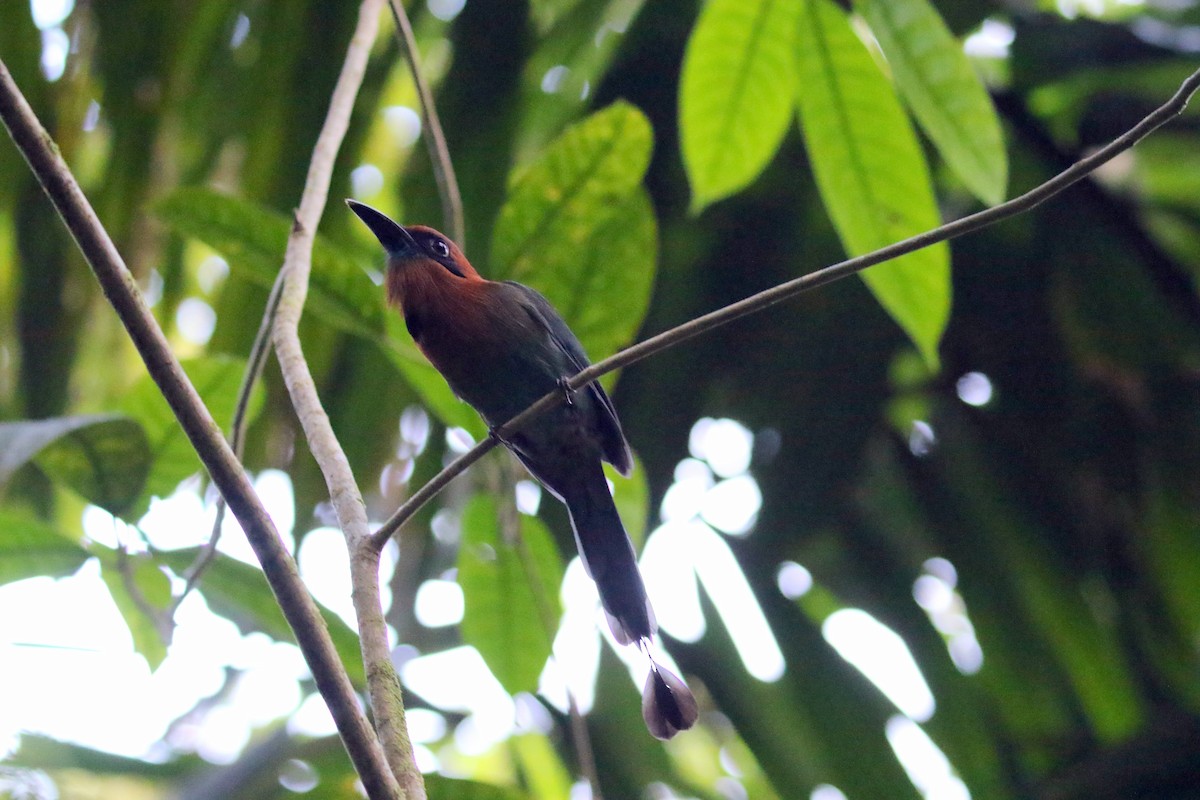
{"x":259,"y":351}
{"x":789,"y":289}
{"x":439,"y":152}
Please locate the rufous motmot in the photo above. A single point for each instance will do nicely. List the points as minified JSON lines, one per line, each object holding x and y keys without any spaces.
{"x":501,"y":346}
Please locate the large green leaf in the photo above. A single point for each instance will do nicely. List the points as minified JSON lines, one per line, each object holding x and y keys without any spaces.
{"x":871,"y":172}
{"x":142,"y":593}
{"x":510,"y":589}
{"x":104,"y":457}
{"x":253,"y":239}
{"x":218,"y":380}
{"x":30,"y":548}
{"x":557,"y":203}
{"x":604,"y":294}
{"x":945,"y":94}
{"x":736,"y":93}
{"x":241,"y":593}
{"x":579,"y":228}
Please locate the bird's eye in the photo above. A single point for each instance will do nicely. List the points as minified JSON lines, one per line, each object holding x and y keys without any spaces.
{"x":440,"y":248}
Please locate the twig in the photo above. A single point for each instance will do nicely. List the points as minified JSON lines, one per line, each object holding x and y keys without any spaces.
{"x":383,"y":685}
{"x":549,"y":621}
{"x":583,"y":744}
{"x":237,"y":436}
{"x":164,"y":624}
{"x":785,"y":291}
{"x":121,"y":289}
{"x":439,"y":153}
{"x":500,"y":484}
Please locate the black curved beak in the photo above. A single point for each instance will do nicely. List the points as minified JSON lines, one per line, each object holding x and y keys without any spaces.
{"x":392,"y":235}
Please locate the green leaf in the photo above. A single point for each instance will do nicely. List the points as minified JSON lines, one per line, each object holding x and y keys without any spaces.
{"x":458,"y":789}
{"x":105,"y":458}
{"x":252,"y":239}
{"x":871,"y":172}
{"x":240,"y":593}
{"x":217,"y":379}
{"x":542,"y":766}
{"x":736,"y":93}
{"x":30,"y":548}
{"x":153,"y":590}
{"x":943,"y":91}
{"x":558,"y":202}
{"x":580,"y":229}
{"x":604,"y":293}
{"x":511,"y":593}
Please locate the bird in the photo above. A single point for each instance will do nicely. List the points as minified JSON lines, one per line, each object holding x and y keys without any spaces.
{"x":501,"y":346}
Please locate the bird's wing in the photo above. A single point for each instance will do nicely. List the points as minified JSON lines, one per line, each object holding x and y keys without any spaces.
{"x":616,"y":449}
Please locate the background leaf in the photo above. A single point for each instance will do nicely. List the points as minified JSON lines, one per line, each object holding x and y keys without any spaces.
{"x":253,"y":238}
{"x":510,"y":591}
{"x":578,"y":227}
{"x":459,"y":789}
{"x":217,"y":379}
{"x":943,"y":90}
{"x":871,"y":172}
{"x":556,"y":204}
{"x":736,"y":93}
{"x":103,"y":457}
{"x":30,"y":547}
{"x":603,"y":293}
{"x":142,"y":575}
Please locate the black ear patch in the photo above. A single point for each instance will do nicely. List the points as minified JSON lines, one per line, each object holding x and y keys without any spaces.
{"x":438,"y":249}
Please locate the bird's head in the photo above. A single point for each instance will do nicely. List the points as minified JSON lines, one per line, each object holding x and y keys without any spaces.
{"x":413,"y":249}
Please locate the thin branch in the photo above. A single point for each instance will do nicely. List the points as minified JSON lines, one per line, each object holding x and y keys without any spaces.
{"x":549,"y":621}
{"x":439,"y":153}
{"x":121,"y":289}
{"x":237,"y":435}
{"x":786,"y":291}
{"x":164,"y":624}
{"x":383,"y":685}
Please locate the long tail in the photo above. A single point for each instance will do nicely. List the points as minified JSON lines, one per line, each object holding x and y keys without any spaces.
{"x":609,"y":559}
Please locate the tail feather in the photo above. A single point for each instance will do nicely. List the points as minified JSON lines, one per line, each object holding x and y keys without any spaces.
{"x":609,"y":559}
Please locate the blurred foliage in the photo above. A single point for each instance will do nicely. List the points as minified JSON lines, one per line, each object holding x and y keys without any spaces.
{"x":1034,"y":454}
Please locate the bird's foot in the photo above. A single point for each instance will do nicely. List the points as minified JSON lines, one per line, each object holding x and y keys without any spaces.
{"x":564,"y":385}
{"x":494,"y":433}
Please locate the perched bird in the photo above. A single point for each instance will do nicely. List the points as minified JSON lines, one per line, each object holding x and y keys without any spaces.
{"x":501,"y":346}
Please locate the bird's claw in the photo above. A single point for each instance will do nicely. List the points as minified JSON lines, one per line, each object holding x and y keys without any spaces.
{"x":494,"y":433}
{"x":564,"y":385}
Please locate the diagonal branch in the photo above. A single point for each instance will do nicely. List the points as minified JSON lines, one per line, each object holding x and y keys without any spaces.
{"x":785,"y":291}
{"x":383,"y":684}
{"x":120,"y":287}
